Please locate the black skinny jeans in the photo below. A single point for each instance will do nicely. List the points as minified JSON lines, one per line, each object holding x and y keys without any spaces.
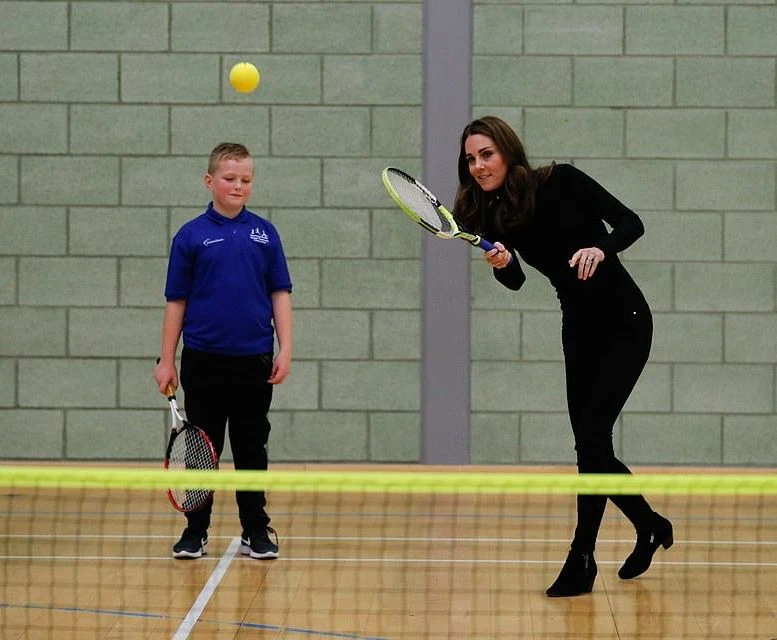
{"x":232,"y":390}
{"x":604,"y":359}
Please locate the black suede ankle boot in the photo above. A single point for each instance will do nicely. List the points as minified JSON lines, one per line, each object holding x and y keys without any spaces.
{"x":660,"y":534}
{"x":576,"y":577}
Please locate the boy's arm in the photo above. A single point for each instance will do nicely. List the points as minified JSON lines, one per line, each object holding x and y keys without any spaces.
{"x":172,"y":325}
{"x":281,"y":311}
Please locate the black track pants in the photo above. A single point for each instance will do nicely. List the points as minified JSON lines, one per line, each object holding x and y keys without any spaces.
{"x":231,"y":390}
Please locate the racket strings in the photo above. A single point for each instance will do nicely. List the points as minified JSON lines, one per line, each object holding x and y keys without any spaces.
{"x":191,"y":451}
{"x":420,"y":202}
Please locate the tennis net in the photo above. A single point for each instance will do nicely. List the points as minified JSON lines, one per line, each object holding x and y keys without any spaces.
{"x":368,"y":554}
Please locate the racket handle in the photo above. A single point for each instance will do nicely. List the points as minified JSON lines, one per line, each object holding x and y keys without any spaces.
{"x":485,"y":245}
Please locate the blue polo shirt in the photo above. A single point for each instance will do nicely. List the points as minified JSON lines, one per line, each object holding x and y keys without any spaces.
{"x":226,"y":269}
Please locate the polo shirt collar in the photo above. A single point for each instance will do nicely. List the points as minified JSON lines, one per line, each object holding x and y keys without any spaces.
{"x":216,"y":217}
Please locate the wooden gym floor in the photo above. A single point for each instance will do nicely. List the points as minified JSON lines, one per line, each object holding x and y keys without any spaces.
{"x":84,"y":564}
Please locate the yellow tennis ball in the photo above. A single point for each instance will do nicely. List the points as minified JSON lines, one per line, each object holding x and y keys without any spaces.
{"x":244,"y":77}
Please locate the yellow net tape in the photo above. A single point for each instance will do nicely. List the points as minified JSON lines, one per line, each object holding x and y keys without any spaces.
{"x":421,"y":481}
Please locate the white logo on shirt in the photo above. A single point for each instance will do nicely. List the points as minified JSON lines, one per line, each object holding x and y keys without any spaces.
{"x":258,"y":235}
{"x":209,"y":241}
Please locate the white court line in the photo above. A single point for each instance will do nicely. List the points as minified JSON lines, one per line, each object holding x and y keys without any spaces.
{"x":625,"y":540}
{"x":207,"y":591}
{"x":395,"y":560}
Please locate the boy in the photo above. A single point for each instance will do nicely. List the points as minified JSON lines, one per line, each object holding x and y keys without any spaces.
{"x":228,"y":285}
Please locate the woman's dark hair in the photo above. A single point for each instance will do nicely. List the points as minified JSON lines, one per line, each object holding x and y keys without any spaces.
{"x":515,"y":206}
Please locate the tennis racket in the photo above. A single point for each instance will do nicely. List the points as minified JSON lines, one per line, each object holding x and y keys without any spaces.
{"x":424,"y":208}
{"x":189,"y":447}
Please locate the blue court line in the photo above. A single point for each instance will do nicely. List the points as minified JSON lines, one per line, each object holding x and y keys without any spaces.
{"x":157,"y":616}
{"x":109,"y":612}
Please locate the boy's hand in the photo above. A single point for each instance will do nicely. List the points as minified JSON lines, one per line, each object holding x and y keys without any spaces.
{"x":281,"y":367}
{"x":165,"y":374}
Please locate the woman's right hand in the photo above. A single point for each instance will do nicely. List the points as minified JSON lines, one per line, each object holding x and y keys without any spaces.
{"x":499,"y":257}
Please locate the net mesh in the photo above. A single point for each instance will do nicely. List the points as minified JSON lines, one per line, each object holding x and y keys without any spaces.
{"x":86,"y":553}
{"x":419,"y":201}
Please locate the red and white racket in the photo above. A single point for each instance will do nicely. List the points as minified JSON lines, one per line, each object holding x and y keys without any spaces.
{"x":189,"y":447}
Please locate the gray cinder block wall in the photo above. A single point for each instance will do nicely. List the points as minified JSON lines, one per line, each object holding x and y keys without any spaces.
{"x":108,"y":111}
{"x":672,"y":107}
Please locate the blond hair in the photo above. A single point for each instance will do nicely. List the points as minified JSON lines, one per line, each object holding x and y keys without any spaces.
{"x":226,"y":151}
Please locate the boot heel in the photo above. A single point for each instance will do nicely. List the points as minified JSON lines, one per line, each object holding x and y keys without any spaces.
{"x":668,"y":541}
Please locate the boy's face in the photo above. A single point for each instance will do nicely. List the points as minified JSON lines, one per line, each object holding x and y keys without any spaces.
{"x":231,"y":185}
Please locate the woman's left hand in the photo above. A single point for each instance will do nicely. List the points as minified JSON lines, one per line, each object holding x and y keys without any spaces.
{"x":586,"y":261}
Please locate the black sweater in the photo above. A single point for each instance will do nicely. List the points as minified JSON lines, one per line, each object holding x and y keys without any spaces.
{"x":570,"y":211}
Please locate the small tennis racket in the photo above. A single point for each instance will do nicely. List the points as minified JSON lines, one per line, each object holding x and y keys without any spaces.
{"x":189,"y":447}
{"x":424,"y":208}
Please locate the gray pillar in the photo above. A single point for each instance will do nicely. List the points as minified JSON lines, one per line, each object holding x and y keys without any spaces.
{"x":445,"y":375}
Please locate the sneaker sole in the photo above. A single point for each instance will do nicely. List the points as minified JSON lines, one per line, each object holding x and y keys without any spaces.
{"x":191,"y":555}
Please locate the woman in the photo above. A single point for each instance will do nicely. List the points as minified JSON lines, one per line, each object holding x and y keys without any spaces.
{"x":553,"y":217}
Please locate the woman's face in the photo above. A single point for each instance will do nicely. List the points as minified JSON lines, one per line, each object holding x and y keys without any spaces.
{"x":486,"y":164}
